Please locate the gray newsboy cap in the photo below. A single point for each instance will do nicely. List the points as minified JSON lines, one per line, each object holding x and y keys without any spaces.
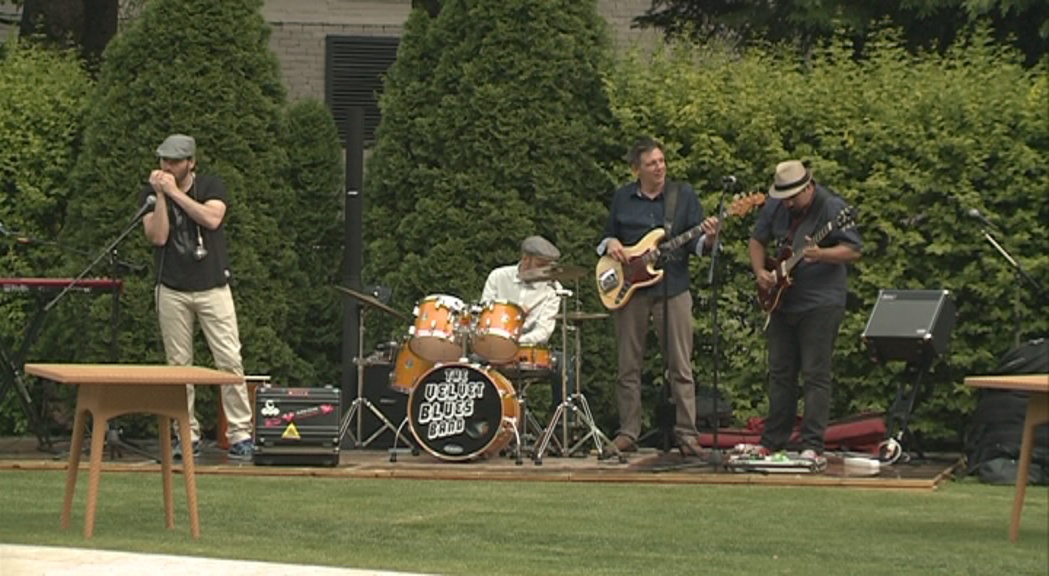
{"x":541,"y":247}
{"x":177,"y":147}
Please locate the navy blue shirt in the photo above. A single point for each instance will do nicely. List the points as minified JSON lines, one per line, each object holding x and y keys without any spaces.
{"x":815,"y":284}
{"x":632,"y":215}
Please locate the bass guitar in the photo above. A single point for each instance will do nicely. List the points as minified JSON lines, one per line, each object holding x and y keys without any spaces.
{"x":617,"y":282}
{"x":786,"y":260}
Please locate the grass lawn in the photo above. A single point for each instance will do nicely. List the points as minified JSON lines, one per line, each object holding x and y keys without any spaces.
{"x":472,"y":527}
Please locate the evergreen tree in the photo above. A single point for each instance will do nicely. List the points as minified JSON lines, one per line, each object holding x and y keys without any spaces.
{"x":201,"y":68}
{"x":494,"y":116}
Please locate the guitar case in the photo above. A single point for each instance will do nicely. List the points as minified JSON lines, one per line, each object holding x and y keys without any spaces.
{"x":859,"y":433}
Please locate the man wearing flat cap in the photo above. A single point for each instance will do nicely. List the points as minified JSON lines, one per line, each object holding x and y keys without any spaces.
{"x":807,"y":303}
{"x":538,"y":299}
{"x":184,"y":223}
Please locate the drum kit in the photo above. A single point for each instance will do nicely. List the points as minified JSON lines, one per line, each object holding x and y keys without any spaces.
{"x":465,"y":375}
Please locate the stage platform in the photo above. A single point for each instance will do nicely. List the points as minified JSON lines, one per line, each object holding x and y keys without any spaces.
{"x":647,"y":466}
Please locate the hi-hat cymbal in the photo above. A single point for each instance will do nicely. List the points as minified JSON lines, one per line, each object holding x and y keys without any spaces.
{"x":580,"y":316}
{"x":559,"y":272}
{"x":372,"y":301}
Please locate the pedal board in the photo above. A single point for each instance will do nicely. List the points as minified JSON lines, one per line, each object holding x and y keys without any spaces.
{"x":775,"y":464}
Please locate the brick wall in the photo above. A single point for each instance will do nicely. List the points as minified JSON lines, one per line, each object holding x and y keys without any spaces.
{"x":300,"y":27}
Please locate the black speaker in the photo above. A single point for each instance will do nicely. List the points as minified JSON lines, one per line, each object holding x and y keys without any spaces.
{"x":392,"y":404}
{"x":909,"y":325}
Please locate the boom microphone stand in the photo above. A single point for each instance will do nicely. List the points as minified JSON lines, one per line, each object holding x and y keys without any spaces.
{"x":712,"y":279}
{"x":1021,"y":274}
{"x":115,"y":444}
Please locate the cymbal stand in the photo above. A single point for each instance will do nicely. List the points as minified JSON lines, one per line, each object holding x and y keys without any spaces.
{"x":528,"y":426}
{"x":581,"y":413}
{"x":360,"y":400}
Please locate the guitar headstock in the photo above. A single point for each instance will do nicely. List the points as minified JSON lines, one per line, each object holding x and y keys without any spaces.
{"x":846,"y":218}
{"x":745,"y":203}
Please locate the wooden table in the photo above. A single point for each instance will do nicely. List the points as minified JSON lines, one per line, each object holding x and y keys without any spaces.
{"x":1037,"y":386}
{"x":111,"y":390}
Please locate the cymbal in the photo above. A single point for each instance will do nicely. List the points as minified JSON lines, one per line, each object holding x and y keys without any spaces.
{"x":372,"y":301}
{"x":580,"y":316}
{"x":559,"y":272}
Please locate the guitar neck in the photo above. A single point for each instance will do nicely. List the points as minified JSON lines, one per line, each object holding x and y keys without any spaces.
{"x":816,"y":239}
{"x":672,"y":244}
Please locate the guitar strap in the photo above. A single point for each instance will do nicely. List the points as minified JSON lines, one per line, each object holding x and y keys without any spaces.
{"x":670,"y":191}
{"x":808,"y":223}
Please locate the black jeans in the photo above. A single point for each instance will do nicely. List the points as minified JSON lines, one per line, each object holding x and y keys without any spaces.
{"x":800,"y":343}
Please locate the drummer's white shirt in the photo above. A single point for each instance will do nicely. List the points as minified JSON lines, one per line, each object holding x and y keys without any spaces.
{"x":538,"y":300}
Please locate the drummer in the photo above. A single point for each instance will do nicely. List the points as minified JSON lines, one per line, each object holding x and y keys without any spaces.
{"x":538,"y":299}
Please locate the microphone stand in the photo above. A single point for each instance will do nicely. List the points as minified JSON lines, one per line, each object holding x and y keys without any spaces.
{"x":712,"y":280}
{"x":115,"y":444}
{"x":109,"y":249}
{"x":1020,"y":273}
{"x":12,"y":372}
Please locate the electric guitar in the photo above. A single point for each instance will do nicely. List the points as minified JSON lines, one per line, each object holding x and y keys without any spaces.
{"x":617,"y":282}
{"x":786,"y":260}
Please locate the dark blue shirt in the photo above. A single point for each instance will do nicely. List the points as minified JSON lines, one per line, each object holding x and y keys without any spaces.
{"x":632,"y":215}
{"x":815,"y":284}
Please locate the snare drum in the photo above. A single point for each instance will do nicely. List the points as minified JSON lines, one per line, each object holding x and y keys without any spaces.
{"x":436,"y":335}
{"x":408,"y":369}
{"x":535,"y":358}
{"x":462,"y":411}
{"x":498,"y":328}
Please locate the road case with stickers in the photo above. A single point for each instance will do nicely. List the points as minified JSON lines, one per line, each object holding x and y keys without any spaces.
{"x":297,"y":426}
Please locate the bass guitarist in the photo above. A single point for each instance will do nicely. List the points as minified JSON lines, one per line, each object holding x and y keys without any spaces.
{"x":806,"y":303}
{"x":648,"y":203}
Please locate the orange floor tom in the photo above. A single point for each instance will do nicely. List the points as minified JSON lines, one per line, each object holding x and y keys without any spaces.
{"x":408,"y":369}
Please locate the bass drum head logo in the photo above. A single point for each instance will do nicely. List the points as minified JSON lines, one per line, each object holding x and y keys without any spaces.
{"x":455,"y":411}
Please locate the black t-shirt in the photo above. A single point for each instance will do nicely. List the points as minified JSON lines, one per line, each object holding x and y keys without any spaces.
{"x":176,"y":259}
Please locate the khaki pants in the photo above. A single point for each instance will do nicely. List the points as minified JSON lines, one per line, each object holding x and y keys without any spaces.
{"x":214,"y":309}
{"x":632,"y":325}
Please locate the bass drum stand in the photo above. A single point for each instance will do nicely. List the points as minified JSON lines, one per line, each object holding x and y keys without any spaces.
{"x":580,"y":412}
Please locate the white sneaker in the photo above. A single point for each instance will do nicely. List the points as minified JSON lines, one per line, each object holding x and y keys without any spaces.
{"x":809,"y":454}
{"x":819,"y":463}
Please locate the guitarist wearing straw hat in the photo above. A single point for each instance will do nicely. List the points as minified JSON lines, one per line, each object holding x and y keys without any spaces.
{"x":804,"y":291}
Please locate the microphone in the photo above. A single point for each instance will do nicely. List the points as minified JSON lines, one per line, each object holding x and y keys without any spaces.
{"x":729,"y":180}
{"x":151,"y":201}
{"x":976,"y":215}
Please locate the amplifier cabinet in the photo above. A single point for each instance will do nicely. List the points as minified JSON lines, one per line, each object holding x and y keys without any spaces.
{"x":910,"y":325}
{"x":297,"y":426}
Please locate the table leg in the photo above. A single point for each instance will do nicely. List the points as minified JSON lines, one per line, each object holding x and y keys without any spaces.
{"x":1037,"y":413}
{"x":189,"y":471}
{"x":98,"y":439}
{"x":164,"y":429}
{"x":75,"y":448}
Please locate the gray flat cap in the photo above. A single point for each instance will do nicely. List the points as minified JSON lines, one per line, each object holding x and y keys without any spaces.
{"x":540,"y":247}
{"x":177,"y":147}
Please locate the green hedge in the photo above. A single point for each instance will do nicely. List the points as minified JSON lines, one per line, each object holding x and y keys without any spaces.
{"x":913,"y":143}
